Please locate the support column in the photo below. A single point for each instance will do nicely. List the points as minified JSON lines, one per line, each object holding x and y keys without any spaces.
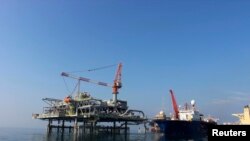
{"x":114,"y":126}
{"x":91,"y":127}
{"x":63,"y":126}
{"x":94,"y":127}
{"x":126,"y":127}
{"x":49,"y":126}
{"x":83,"y":126}
{"x":75,"y":125}
{"x":58,"y":126}
{"x":145,"y":128}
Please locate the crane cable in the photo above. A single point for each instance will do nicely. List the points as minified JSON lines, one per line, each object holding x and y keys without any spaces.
{"x":94,"y":69}
{"x":67,"y":87}
{"x":104,"y":67}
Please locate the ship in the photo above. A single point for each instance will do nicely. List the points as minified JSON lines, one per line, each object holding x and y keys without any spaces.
{"x":244,"y":118}
{"x":186,"y":121}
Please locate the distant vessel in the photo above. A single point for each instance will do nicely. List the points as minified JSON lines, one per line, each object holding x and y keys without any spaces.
{"x":244,"y":118}
{"x":186,"y":121}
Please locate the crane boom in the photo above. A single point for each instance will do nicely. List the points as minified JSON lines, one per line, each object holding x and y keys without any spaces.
{"x":175,"y":107}
{"x":86,"y":79}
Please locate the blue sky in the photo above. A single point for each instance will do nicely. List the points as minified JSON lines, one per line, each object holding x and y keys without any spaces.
{"x":198,"y":48}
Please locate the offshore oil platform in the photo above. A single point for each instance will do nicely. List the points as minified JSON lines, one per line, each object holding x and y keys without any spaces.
{"x":88,"y":113}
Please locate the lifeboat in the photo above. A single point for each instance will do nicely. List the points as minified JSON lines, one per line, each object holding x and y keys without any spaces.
{"x":67,"y":99}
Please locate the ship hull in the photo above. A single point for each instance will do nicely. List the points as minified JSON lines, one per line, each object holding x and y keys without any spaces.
{"x":179,"y":128}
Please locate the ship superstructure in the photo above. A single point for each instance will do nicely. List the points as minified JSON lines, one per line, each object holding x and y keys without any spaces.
{"x":244,"y":118}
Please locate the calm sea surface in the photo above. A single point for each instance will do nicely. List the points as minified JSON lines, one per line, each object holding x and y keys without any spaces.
{"x":22,"y":134}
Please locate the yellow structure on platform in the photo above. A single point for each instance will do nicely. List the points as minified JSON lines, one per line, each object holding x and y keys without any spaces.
{"x":244,"y":118}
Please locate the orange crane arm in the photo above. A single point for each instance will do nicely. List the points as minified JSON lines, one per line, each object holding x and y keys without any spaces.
{"x":175,"y":107}
{"x":117,"y":81}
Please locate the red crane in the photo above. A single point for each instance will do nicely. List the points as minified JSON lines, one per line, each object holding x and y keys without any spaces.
{"x":117,"y":82}
{"x":175,"y":107}
{"x":116,"y":85}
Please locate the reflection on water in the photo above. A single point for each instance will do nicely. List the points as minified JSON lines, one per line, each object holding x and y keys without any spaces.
{"x":115,"y":137}
{"x":96,"y":137}
{"x":41,"y":135}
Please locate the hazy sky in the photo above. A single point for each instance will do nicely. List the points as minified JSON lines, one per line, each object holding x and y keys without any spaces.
{"x":198,"y":48}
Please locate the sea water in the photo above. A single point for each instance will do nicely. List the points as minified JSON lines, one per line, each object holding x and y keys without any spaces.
{"x":25,"y":134}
